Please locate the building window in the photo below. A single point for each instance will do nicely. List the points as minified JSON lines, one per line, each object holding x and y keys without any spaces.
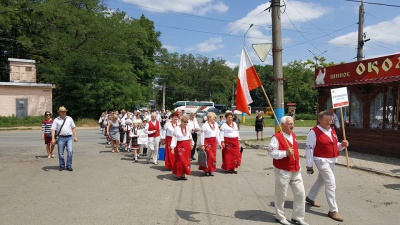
{"x":28,"y":69}
{"x":356,"y":112}
{"x":376,"y":112}
{"x":384,"y":110}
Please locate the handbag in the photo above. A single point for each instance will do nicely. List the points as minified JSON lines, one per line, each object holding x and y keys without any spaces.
{"x":202,"y":159}
{"x":58,"y":133}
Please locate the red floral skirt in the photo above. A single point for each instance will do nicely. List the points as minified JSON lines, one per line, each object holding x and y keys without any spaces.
{"x":231,"y":157}
{"x":210,"y":145}
{"x":182,"y":158}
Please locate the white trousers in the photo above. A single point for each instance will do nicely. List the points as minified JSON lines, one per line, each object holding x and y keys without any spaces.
{"x":327,"y":178}
{"x":283,"y":179}
{"x":153,"y":146}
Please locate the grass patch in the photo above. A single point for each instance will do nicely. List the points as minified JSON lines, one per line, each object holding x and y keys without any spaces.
{"x":269,"y":122}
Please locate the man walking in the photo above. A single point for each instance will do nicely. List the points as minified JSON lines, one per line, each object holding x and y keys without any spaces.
{"x":283,"y":148}
{"x":322,"y":148}
{"x":63,"y":127}
{"x":153,"y":130}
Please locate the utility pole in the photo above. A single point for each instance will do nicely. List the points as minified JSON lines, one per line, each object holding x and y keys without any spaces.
{"x":360,"y":41}
{"x":279,"y":107}
{"x":163,"y":97}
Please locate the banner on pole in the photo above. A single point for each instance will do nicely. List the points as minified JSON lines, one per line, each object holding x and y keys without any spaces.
{"x":339,"y":97}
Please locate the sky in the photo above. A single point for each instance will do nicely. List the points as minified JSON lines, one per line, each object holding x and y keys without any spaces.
{"x":217,"y":28}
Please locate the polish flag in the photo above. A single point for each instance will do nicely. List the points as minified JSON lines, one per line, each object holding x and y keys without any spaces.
{"x":247,"y":80}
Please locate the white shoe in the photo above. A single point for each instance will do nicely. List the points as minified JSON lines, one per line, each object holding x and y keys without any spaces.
{"x":283,"y":221}
{"x":299,"y":222}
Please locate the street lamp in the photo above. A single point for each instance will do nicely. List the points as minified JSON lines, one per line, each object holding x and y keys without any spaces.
{"x":244,"y":35}
{"x":316,"y":56}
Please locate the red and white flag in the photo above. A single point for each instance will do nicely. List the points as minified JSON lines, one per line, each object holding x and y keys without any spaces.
{"x":247,"y":80}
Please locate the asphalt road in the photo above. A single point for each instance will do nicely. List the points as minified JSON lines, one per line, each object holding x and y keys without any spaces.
{"x":107,"y":188}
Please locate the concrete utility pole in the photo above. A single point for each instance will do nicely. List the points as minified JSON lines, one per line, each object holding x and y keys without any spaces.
{"x":360,"y":41}
{"x":279,"y":106}
{"x":163,"y":97}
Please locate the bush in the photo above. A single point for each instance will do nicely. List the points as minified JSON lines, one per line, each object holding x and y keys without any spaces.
{"x":12,"y":121}
{"x":306,"y":117}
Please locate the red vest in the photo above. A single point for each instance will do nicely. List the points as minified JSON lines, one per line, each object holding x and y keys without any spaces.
{"x":288,"y":163}
{"x":324,"y":146}
{"x":156,"y":128}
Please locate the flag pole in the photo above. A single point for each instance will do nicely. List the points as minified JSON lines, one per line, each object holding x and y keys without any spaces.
{"x":276,"y":119}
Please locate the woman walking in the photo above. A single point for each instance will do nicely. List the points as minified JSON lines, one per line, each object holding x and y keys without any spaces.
{"x":182,"y":145}
{"x":169,"y":128}
{"x":46,"y":134}
{"x":229,"y":136}
{"x":113,"y":132}
{"x":259,"y":125}
{"x":209,"y":139}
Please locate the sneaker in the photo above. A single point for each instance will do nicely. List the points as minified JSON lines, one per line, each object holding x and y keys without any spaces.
{"x":312,"y":202}
{"x":283,"y":221}
{"x":156,"y":163}
{"x":61,"y":168}
{"x":70,"y":169}
{"x":335,"y":216}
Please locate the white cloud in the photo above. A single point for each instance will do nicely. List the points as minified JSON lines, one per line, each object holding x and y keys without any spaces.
{"x":231,"y":64}
{"x":383,"y":32}
{"x":298,"y":12}
{"x":198,"y":7}
{"x":209,"y":45}
{"x":171,"y":48}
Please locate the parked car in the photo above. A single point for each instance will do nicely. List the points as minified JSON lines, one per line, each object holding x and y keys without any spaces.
{"x":201,"y":113}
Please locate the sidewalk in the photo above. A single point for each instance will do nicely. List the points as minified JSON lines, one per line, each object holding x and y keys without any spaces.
{"x":361,"y":161}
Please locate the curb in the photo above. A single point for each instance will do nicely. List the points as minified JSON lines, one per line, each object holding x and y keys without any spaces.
{"x":379,"y":172}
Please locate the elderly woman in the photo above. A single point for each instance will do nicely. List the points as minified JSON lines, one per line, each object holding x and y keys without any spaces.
{"x":168,"y":131}
{"x":113,"y":132}
{"x":259,"y":125}
{"x":182,"y":145}
{"x":46,"y":134}
{"x":209,"y":139}
{"x":229,"y":136}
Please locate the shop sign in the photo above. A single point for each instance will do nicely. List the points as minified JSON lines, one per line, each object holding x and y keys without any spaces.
{"x":387,"y":66}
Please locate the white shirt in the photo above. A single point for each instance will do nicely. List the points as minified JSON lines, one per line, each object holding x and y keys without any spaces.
{"x":180,"y":136}
{"x":335,"y":120}
{"x":143,"y":137}
{"x":168,"y":130}
{"x":208,"y":132}
{"x":66,"y":129}
{"x":228,"y":131}
{"x":310,"y":145}
{"x":273,"y":147}
{"x":193,"y":125}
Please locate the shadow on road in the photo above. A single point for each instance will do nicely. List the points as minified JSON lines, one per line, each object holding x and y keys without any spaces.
{"x":160,"y":168}
{"x":255,"y":215}
{"x":40,"y":156}
{"x":47,"y":168}
{"x":392,"y":186}
{"x":169,"y":176}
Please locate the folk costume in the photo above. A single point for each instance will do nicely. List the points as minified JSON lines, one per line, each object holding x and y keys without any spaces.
{"x":231,"y":156}
{"x":167,"y":135}
{"x":209,"y":138}
{"x":181,"y":143}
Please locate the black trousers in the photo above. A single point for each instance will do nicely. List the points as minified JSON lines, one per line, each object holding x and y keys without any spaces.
{"x":194,"y":136}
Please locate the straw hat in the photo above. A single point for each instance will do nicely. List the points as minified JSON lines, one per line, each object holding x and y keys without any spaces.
{"x":62,"y":109}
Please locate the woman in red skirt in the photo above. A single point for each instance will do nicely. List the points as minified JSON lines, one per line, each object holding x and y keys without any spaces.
{"x":46,"y":134}
{"x":168,"y":129}
{"x":182,"y":144}
{"x":209,"y":140}
{"x":229,"y":135}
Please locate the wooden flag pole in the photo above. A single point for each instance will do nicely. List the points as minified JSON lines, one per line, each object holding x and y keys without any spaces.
{"x":344,"y":136}
{"x":276,"y":119}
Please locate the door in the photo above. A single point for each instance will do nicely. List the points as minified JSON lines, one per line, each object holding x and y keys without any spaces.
{"x":22,"y":107}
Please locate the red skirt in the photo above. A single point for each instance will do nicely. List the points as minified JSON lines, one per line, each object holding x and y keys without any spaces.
{"x":182,"y":158}
{"x":231,"y":157}
{"x":169,"y":157}
{"x":47,"y":139}
{"x":210,"y":145}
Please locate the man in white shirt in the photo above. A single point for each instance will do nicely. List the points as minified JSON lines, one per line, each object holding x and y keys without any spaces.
{"x":334,"y":119}
{"x":63,"y":127}
{"x":322,"y":148}
{"x":153,"y":128}
{"x":193,"y":128}
{"x":284,"y":149}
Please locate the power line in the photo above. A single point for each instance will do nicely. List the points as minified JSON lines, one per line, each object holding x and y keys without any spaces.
{"x":374,"y":3}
